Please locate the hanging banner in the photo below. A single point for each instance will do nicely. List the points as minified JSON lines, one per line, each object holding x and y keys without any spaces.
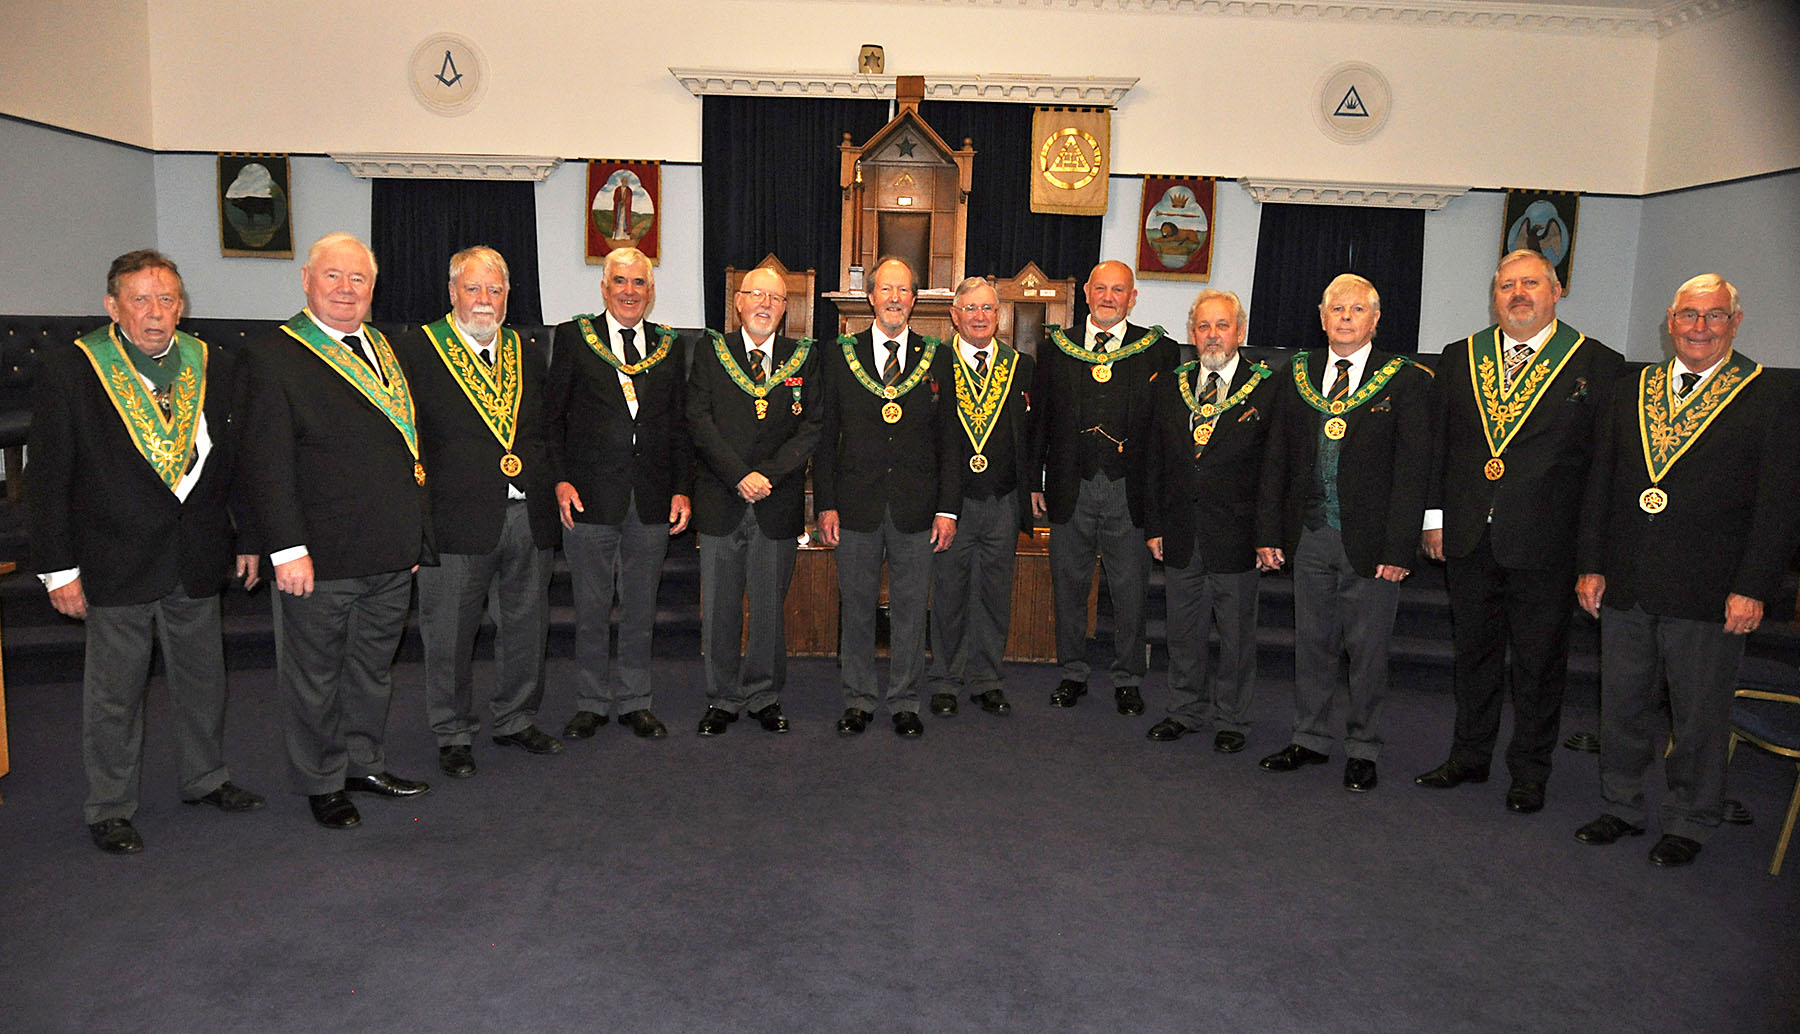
{"x":1175,"y":223}
{"x":1071,"y":157}
{"x":623,"y":199}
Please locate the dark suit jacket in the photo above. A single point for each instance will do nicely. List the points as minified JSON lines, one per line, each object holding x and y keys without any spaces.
{"x":866,"y":466}
{"x":1015,"y":421}
{"x":1382,"y":468}
{"x":1056,"y":392}
{"x":94,"y":502}
{"x":596,"y":444}
{"x":322,"y":467}
{"x":468,"y":491}
{"x":1536,"y":503}
{"x":1214,"y":496}
{"x":1730,"y":525}
{"x":729,"y":442}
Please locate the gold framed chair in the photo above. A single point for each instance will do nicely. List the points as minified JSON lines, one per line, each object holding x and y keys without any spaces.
{"x":1770,"y":720}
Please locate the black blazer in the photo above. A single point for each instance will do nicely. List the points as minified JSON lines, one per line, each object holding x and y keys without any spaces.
{"x":1731,"y":521}
{"x":322,"y":467}
{"x":1213,"y":497}
{"x":1056,"y":391}
{"x":1382,"y":468}
{"x":1015,"y":421}
{"x":1537,"y":502}
{"x":596,"y":445}
{"x":729,"y":442}
{"x":866,"y":466}
{"x":468,"y":491}
{"x":93,"y":501}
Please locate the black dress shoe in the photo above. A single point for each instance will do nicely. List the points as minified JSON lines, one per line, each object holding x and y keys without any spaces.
{"x":1525,"y":796}
{"x":1129,"y":701}
{"x":907,"y":725}
{"x":1228,"y":741}
{"x":531,"y":740}
{"x":582,"y":725}
{"x":771,"y":718}
{"x":456,"y":761}
{"x":993,"y":702}
{"x":855,"y":720}
{"x":333,"y":810}
{"x":116,"y":836}
{"x":715,"y":721}
{"x":646,"y":725}
{"x":387,"y":784}
{"x":1450,"y":774}
{"x":1167,"y":731}
{"x":1291,"y":757}
{"x":1607,"y":829}
{"x":1067,"y":692}
{"x":1672,"y":851}
{"x":1359,"y":775}
{"x":943,"y":705}
{"x":228,"y":796}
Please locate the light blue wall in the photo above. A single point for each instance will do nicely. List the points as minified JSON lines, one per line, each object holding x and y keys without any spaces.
{"x":1747,"y":232}
{"x":68,"y":206}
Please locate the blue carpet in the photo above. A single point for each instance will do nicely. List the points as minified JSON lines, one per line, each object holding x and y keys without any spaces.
{"x":1051,"y":871}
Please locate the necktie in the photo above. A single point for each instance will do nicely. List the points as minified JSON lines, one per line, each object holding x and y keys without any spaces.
{"x":1101,"y":337}
{"x":1515,"y":362}
{"x":1341,"y":387}
{"x":981,"y":367}
{"x":757,"y":373}
{"x":354,"y":344}
{"x":890,"y":370}
{"x":487,"y":357}
{"x":1688,"y":380}
{"x":1209,"y":396}
{"x":628,"y":335}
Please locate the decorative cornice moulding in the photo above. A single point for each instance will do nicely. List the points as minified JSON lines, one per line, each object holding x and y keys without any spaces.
{"x":1644,"y":19}
{"x":448,"y":166}
{"x":1377,"y":195}
{"x":1094,"y":91}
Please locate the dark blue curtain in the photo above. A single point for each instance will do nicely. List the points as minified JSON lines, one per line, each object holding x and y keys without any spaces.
{"x":416,"y":225}
{"x":1300,"y":248}
{"x":769,"y":183}
{"x":1004,"y":233}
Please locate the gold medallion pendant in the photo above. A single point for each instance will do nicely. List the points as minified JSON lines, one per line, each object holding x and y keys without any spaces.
{"x":1102,"y":372}
{"x":978,"y":463}
{"x":1335,"y":428}
{"x":796,"y":407}
{"x":762,"y":409}
{"x":1653,"y":500}
{"x":419,"y":473}
{"x":1203,"y":434}
{"x":891,"y":412}
{"x":1494,"y":468}
{"x":511,"y":465}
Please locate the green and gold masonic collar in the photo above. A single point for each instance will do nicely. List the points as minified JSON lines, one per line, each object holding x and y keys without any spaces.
{"x":392,"y":398}
{"x":165,"y":442}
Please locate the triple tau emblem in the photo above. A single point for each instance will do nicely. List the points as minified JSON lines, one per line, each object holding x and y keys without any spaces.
{"x":1070,"y":158}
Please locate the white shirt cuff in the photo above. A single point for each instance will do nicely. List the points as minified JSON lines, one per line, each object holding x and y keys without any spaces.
{"x":1434,"y":520}
{"x":57,"y":579}
{"x":282,"y":556}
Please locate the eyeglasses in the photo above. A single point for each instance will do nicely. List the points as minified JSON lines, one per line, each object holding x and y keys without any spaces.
{"x":986,"y":310}
{"x":761,"y":296}
{"x":1715,"y":319}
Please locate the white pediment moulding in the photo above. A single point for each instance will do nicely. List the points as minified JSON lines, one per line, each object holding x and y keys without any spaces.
{"x":1092,"y":91}
{"x":1616,"y":19}
{"x":1378,"y":195}
{"x":448,"y":166}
